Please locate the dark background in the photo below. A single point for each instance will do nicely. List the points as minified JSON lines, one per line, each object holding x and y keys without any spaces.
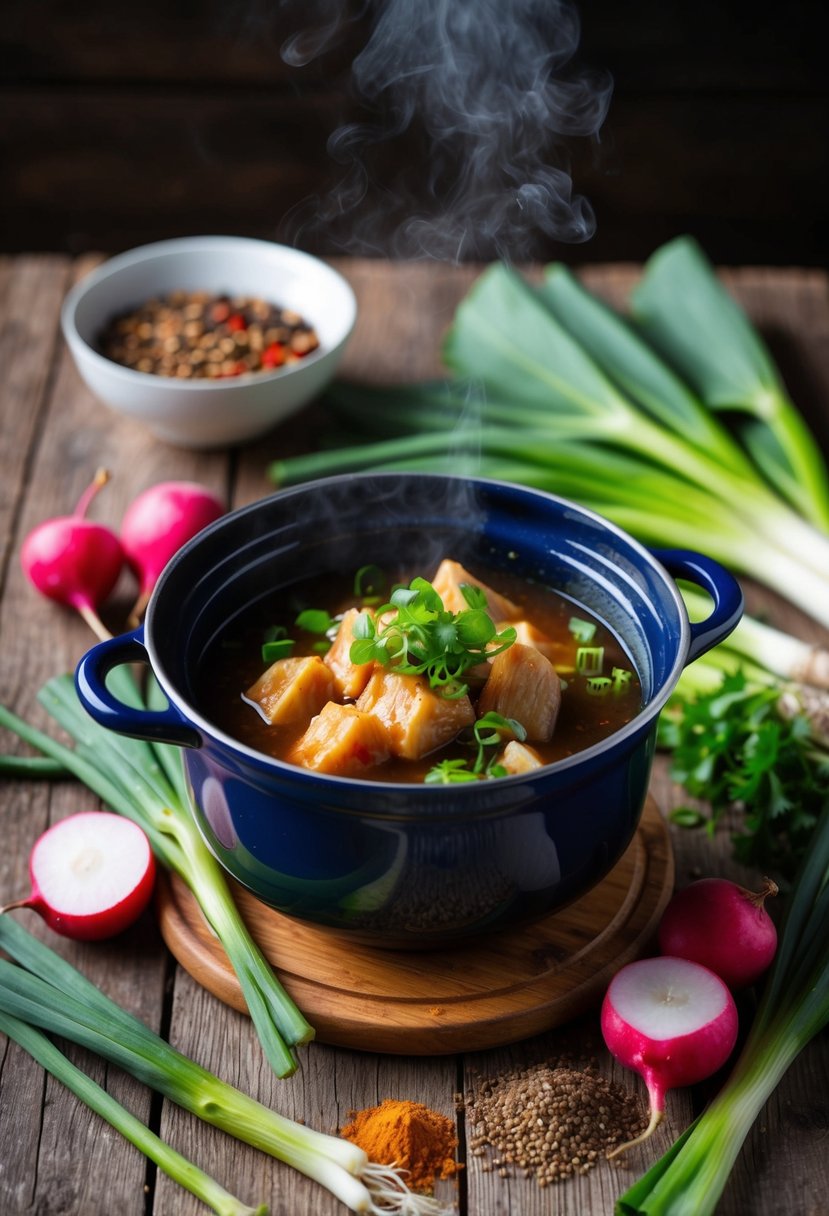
{"x":124,"y":124}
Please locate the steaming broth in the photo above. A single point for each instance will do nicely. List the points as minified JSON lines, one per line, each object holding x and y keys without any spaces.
{"x":593,"y":704}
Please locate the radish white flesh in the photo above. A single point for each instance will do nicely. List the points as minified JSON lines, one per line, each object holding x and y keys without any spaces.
{"x":92,"y":875}
{"x":722,"y":926}
{"x":672,"y":1021}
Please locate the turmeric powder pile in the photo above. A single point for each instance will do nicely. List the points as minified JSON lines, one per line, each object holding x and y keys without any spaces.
{"x":409,"y":1135}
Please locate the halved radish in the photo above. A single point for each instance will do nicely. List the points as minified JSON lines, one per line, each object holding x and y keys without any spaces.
{"x":672,"y":1021}
{"x":92,"y":875}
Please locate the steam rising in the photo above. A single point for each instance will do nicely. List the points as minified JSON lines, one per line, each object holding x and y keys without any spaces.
{"x":473,"y":102}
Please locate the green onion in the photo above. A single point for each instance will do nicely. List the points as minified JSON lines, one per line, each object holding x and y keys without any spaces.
{"x":368,"y":581}
{"x":794,"y":1008}
{"x":281,"y":648}
{"x":553,"y":390}
{"x":31,"y":766}
{"x":599,"y":686}
{"x":145,"y":782}
{"x":46,"y":991}
{"x":315,"y":620}
{"x":583,"y":631}
{"x":589,"y":660}
{"x":778,"y":652}
{"x":182,"y":1171}
{"x":689,"y":316}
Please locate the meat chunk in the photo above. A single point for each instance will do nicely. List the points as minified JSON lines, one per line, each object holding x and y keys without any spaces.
{"x":416,"y":719}
{"x":523,"y":685}
{"x":518,"y":758}
{"x":529,"y":635}
{"x":341,"y":740}
{"x":292,"y":690}
{"x":349,"y":678}
{"x":447,"y":583}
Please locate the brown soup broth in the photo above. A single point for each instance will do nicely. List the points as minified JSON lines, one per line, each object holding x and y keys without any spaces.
{"x":234,"y":663}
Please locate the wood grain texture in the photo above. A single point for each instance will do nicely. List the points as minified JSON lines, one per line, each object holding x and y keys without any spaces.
{"x":58,"y":1160}
{"x":479,"y":994}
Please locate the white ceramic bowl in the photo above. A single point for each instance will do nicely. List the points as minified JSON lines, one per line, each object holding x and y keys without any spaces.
{"x":210,"y":413}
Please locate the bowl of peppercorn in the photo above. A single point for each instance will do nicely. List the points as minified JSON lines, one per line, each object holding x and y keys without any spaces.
{"x":211,"y":340}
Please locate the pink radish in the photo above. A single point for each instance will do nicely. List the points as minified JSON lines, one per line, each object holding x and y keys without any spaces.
{"x":672,"y":1021}
{"x":157,"y":523}
{"x":92,"y":875}
{"x":722,"y":926}
{"x":74,"y":561}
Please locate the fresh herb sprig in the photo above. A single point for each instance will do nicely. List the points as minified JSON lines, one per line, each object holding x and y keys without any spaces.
{"x":421,"y":637}
{"x":736,"y":744}
{"x":488,"y":733}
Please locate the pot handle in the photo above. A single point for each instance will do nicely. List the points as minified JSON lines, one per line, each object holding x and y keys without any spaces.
{"x":720,"y":585}
{"x":158,"y":726}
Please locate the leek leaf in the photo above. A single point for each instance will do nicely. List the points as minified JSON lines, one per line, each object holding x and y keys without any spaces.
{"x":688,"y":315}
{"x":637,"y":370}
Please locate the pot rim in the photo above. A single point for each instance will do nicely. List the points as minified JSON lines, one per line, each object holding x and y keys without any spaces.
{"x":464,"y":791}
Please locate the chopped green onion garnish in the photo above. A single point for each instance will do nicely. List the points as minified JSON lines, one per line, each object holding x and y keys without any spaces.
{"x":315,"y":620}
{"x":583,"y":631}
{"x":621,"y":678}
{"x":280,"y":649}
{"x":599,"y":686}
{"x":369,"y":580}
{"x":590,"y":660}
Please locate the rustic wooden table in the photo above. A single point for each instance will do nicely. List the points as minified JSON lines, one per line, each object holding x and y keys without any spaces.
{"x":55,"y":1157}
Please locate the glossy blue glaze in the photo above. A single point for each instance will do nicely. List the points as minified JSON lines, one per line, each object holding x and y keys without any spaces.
{"x":412,"y":865}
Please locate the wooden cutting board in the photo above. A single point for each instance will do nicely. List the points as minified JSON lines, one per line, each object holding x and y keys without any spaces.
{"x":485,"y":993}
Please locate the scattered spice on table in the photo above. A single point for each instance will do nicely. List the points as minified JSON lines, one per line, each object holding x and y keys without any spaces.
{"x":199,"y":335}
{"x":551,"y":1121}
{"x":409,"y":1135}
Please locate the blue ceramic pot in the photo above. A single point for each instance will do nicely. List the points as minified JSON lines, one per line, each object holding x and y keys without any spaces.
{"x":411,"y":865}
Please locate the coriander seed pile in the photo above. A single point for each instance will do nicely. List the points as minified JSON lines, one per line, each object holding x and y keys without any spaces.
{"x":196,"y":335}
{"x":549,"y":1121}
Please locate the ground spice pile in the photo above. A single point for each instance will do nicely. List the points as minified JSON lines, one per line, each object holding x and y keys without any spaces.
{"x":409,"y":1135}
{"x":551,"y":1122}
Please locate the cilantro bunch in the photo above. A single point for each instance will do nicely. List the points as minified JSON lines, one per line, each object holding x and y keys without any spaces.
{"x":750,"y":745}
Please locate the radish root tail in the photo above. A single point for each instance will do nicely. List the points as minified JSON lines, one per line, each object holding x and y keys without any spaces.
{"x":137,"y":610}
{"x":656,"y":1118}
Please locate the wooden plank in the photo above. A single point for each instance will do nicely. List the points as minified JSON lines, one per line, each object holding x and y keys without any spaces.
{"x":58,"y":1164}
{"x":731,"y":170}
{"x":329,"y":1084}
{"x":480,"y":993}
{"x":31,"y":291}
{"x":658,"y":46}
{"x":66,"y":1159}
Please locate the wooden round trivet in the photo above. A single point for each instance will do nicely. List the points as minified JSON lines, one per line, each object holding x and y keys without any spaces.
{"x":485,"y":993}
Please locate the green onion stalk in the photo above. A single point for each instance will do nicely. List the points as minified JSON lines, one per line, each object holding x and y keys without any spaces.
{"x":176,"y":1166}
{"x":794,"y":1008}
{"x":145,"y":782}
{"x":686,"y":313}
{"x":42,"y":990}
{"x":554,"y":390}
